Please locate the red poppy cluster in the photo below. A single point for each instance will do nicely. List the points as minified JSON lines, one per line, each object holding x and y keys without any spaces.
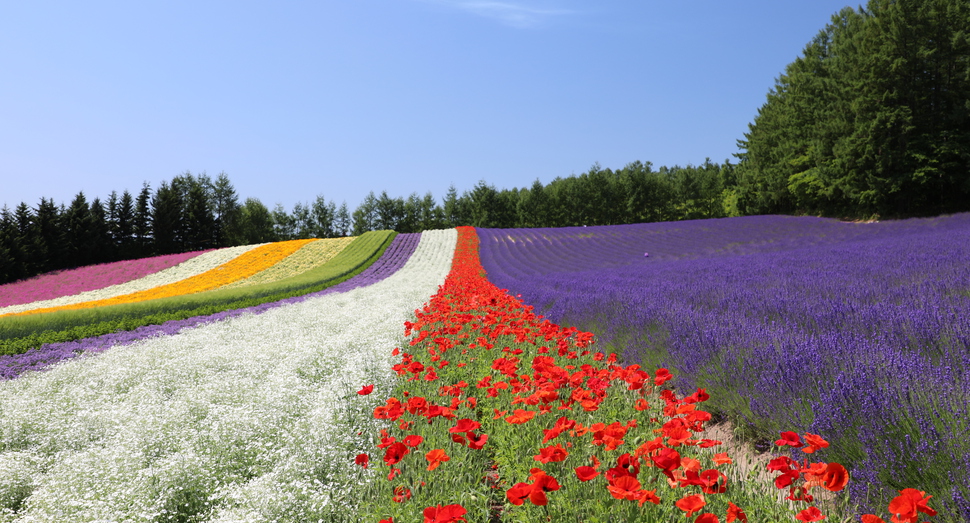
{"x":601,"y":425}
{"x":905,"y":508}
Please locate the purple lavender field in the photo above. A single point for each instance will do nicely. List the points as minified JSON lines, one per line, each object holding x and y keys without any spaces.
{"x":857,"y":332}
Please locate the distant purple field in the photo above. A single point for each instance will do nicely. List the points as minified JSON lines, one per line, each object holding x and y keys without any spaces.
{"x":82,"y":279}
{"x":393,"y":259}
{"x":857,"y":332}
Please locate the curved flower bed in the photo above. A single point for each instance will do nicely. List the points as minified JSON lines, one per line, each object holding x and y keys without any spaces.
{"x":243,"y":266}
{"x":248,"y":419}
{"x":74,"y":281}
{"x":307,"y":257}
{"x":12,"y":366}
{"x":187,"y":269}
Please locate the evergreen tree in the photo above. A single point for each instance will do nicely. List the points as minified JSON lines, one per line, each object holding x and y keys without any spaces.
{"x":255,"y":223}
{"x":124,"y":226}
{"x":142,"y":225}
{"x":874,"y":118}
{"x":365,"y":215}
{"x":284,"y":225}
{"x":456,"y":209}
{"x":12,"y":256}
{"x":199,"y":221}
{"x":324,"y":216}
{"x":342,"y":222}
{"x":227,"y":212}
{"x":99,"y":248}
{"x":77,"y":232}
{"x":166,"y":215}
{"x":47,"y":246}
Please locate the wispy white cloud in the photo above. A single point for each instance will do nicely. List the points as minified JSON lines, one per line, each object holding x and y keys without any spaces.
{"x":514,"y":14}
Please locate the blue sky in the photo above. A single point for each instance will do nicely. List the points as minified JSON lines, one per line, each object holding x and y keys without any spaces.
{"x":294,"y":99}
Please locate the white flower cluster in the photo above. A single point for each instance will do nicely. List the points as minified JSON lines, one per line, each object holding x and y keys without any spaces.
{"x":255,"y":418}
{"x":187,"y":269}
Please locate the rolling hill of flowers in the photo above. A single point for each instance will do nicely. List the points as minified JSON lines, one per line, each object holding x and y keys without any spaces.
{"x":388,"y":378}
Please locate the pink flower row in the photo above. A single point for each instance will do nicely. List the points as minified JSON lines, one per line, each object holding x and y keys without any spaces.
{"x":66,"y":283}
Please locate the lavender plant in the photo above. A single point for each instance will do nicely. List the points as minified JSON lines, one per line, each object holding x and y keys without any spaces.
{"x":855,"y":331}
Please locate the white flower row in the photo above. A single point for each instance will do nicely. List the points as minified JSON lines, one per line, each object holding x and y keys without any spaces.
{"x":187,"y":269}
{"x":255,"y":418}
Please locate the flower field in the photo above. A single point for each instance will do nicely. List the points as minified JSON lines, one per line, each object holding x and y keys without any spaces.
{"x":399,"y":381}
{"x":855,"y":331}
{"x":245,"y":419}
{"x":66,"y":283}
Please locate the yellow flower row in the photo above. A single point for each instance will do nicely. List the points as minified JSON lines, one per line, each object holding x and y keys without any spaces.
{"x":244,"y":266}
{"x":309,"y":256}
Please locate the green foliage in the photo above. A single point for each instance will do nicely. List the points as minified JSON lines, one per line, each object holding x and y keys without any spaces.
{"x":872,"y":119}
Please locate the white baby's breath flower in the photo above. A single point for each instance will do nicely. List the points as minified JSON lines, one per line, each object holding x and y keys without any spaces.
{"x":251,"y":419}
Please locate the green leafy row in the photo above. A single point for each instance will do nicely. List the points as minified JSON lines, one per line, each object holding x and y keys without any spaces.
{"x":19,"y":334}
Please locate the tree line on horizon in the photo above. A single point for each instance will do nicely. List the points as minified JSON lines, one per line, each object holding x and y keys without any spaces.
{"x":873,"y":120}
{"x":195,"y":212}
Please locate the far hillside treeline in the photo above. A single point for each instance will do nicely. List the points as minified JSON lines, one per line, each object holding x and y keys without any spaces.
{"x":195,"y":212}
{"x":873,"y":120}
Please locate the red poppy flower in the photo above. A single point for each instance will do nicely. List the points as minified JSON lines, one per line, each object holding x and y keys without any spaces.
{"x":445,"y":514}
{"x":520,"y":416}
{"x":365,"y":390}
{"x":552,"y":454}
{"x":641,"y":404}
{"x":395,"y":453}
{"x":735,"y":513}
{"x":662,"y":376}
{"x":476,"y":442}
{"x":586,"y":473}
{"x":388,"y":520}
{"x":465,"y":425}
{"x":872,"y":518}
{"x":649,"y":495}
{"x":707,"y":518}
{"x":815,"y":442}
{"x":721,"y":458}
{"x":789,"y":438}
{"x":810,"y":514}
{"x":413,"y":440}
{"x":835,"y":477}
{"x":518,"y":493}
{"x":625,"y":487}
{"x":435,"y":458}
{"x":691,"y":504}
{"x":362,"y":460}
{"x":908,"y":503}
{"x":668,"y":460}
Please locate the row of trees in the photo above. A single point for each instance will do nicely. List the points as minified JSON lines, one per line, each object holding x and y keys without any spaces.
{"x":192,"y":212}
{"x":873,"y":119}
{"x":187,"y":213}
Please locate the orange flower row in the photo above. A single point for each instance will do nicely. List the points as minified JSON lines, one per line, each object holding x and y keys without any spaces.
{"x":244,"y":266}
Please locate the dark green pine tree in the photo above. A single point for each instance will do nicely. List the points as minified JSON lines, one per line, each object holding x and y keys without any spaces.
{"x":874,"y":118}
{"x":77,"y":232}
{"x":226,"y":212}
{"x":47,"y":245}
{"x":12,"y":256}
{"x":99,"y":248}
{"x":142,"y":226}
{"x":167,"y":220}
{"x":123,"y":230}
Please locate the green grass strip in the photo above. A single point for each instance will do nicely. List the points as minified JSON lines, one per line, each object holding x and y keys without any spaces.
{"x":18,"y":334}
